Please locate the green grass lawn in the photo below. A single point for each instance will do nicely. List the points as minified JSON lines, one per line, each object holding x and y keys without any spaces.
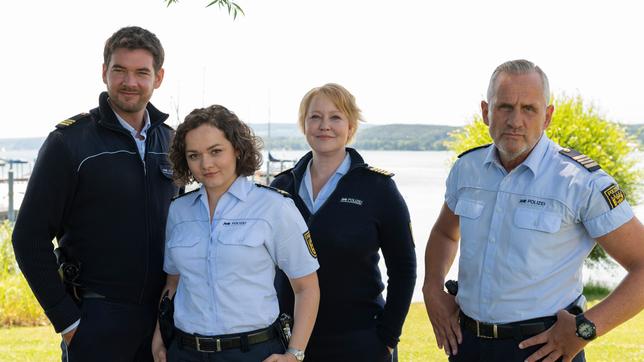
{"x":625,"y":343}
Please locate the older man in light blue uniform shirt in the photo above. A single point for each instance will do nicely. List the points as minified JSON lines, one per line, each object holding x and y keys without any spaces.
{"x":527,"y":213}
{"x":228,"y":266}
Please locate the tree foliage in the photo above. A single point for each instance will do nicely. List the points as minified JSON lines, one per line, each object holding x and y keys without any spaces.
{"x":233,"y":8}
{"x":580,"y":127}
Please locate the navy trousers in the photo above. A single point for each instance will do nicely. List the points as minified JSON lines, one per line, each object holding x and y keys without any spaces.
{"x":356,"y":346}
{"x":475,"y":349}
{"x":112,"y":332}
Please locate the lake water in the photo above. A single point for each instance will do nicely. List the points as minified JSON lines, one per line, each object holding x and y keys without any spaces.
{"x":420,"y":176}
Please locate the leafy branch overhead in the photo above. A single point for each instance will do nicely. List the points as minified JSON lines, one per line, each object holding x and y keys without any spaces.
{"x":233,"y":8}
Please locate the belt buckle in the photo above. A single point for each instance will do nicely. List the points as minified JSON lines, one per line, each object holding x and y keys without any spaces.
{"x":494,"y":335}
{"x":217,"y":343}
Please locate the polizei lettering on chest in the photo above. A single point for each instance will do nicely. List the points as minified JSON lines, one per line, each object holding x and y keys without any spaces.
{"x":532,"y":202}
{"x":350,"y":200}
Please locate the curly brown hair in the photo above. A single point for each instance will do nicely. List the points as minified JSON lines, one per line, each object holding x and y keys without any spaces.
{"x":244,"y":142}
{"x":134,"y":37}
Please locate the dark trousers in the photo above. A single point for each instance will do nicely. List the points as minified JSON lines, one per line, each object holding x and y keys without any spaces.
{"x":112,"y":332}
{"x":356,"y":346}
{"x":475,"y":349}
{"x":256,"y":353}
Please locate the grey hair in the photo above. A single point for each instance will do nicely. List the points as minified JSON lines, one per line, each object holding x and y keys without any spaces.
{"x":519,"y":66}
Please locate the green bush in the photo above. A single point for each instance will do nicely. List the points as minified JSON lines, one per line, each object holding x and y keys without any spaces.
{"x":18,"y":306}
{"x":580,"y":127}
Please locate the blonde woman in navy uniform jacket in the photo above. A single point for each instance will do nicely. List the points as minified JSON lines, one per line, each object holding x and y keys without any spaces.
{"x":353,"y":211}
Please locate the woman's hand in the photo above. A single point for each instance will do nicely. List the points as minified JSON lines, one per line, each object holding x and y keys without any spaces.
{"x":286,"y":357}
{"x":158,"y":348}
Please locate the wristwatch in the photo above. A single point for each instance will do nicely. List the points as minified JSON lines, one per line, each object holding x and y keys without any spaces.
{"x":299,"y":355}
{"x":585,"y":328}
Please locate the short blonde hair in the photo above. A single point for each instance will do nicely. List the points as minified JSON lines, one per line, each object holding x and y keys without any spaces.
{"x":341,"y":98}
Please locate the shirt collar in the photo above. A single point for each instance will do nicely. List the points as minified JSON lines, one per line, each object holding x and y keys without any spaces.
{"x":533,"y":160}
{"x":341,"y":170}
{"x":129,"y":128}
{"x":239,"y":189}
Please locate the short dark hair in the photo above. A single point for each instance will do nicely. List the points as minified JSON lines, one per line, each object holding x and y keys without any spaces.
{"x":134,"y":37}
{"x":236,"y":132}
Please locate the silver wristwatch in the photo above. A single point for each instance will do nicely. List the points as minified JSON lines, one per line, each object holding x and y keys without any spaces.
{"x":299,"y":355}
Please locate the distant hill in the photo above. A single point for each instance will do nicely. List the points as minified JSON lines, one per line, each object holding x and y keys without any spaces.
{"x":412,"y":137}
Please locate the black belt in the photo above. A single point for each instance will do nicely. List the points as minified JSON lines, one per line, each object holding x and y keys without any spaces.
{"x":220,"y":343}
{"x":521,"y":329}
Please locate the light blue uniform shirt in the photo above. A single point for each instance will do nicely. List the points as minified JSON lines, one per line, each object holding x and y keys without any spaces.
{"x":140,"y":144}
{"x":525,"y":234}
{"x":226,"y":268}
{"x":306,"y":187}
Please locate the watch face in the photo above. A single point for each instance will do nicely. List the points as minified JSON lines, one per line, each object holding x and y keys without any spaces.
{"x":586,"y":330}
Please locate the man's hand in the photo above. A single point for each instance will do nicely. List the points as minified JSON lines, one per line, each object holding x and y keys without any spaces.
{"x":286,"y":357}
{"x":159,"y":352}
{"x":443,"y":314}
{"x":560,"y":341}
{"x":67,"y":337}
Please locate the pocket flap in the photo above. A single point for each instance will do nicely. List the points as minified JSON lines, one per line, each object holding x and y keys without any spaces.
{"x":247,"y":235}
{"x":539,"y":220}
{"x":470,"y":209}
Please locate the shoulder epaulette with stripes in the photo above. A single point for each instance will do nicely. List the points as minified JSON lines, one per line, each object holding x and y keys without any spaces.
{"x":281,"y":192}
{"x":380,"y":171}
{"x":473,"y":149}
{"x":588,"y":163}
{"x":70,"y":121}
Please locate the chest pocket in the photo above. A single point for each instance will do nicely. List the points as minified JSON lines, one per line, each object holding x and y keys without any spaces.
{"x":469,"y":208}
{"x":251,"y":234}
{"x":470,"y":212}
{"x":241,"y":254}
{"x":539,"y":220}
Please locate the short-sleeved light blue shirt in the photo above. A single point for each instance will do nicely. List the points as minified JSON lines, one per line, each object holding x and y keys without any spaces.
{"x":227,"y":267}
{"x":525,"y":234}
{"x":306,"y":187}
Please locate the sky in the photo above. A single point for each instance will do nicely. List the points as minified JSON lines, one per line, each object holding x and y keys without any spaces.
{"x":406,"y":61}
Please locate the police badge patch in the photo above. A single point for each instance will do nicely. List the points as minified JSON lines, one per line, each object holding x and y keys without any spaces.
{"x":309,"y":244}
{"x":613,"y":195}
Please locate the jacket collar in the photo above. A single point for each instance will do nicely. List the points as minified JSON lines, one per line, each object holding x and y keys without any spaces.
{"x":108,"y":117}
{"x":300,"y":167}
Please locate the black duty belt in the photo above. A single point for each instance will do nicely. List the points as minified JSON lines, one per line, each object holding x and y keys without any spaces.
{"x":508,"y":330}
{"x":220,"y":343}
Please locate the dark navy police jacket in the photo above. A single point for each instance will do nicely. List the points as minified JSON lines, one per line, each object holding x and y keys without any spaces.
{"x":90,"y":189}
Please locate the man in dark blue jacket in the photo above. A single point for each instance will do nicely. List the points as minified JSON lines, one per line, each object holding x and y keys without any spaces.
{"x":101,"y":186}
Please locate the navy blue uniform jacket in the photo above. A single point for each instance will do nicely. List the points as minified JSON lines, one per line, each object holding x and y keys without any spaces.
{"x":90,"y":189}
{"x":364,"y":213}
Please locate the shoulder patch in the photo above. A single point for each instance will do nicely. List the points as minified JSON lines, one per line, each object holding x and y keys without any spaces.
{"x":473,"y":149}
{"x":281,"y":192}
{"x":72,"y":120}
{"x":613,"y":195}
{"x":380,"y":171}
{"x":309,"y":244}
{"x":184,"y":194}
{"x":583,"y":160}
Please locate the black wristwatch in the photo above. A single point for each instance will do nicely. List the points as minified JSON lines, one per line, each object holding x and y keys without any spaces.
{"x":585,"y":328}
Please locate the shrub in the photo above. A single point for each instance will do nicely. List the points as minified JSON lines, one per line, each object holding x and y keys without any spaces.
{"x":18,"y":306}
